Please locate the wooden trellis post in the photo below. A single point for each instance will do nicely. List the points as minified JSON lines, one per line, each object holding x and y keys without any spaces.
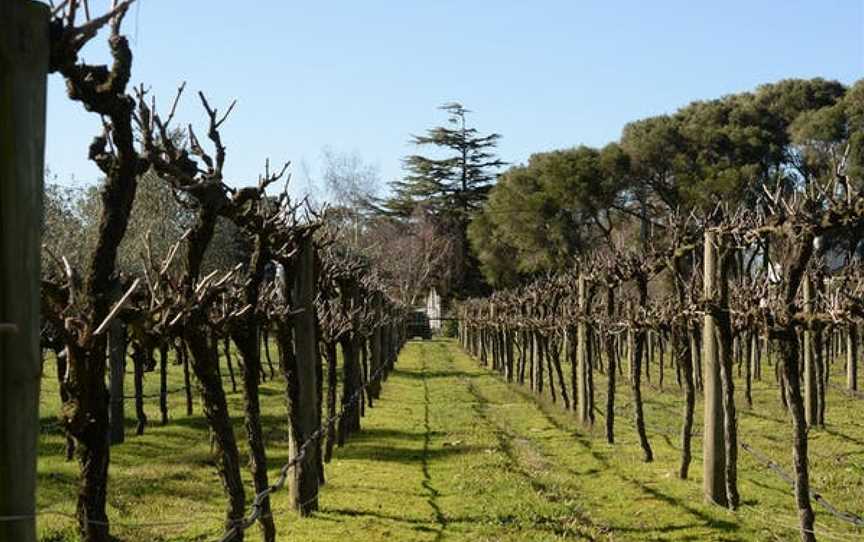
{"x":852,"y":357}
{"x":583,"y":405}
{"x":376,"y":360}
{"x":304,"y":486}
{"x":713,"y":443}
{"x":23,"y":75}
{"x":117,"y":374}
{"x":811,"y":398}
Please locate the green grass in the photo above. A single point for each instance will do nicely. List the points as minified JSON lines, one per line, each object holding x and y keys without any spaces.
{"x":451,"y":452}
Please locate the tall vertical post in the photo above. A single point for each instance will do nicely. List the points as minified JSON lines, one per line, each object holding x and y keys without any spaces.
{"x":583,"y":406}
{"x":375,"y":360}
{"x":852,"y":357}
{"x":811,"y":398}
{"x":23,"y":76}
{"x":304,"y":489}
{"x":713,"y":442}
{"x":116,"y":377}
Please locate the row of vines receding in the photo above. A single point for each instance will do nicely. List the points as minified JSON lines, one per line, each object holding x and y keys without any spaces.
{"x":296,"y":288}
{"x":772,"y":284}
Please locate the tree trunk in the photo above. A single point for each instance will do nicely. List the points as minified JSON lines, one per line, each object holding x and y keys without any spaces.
{"x":689,"y":398}
{"x":789,"y":353}
{"x":350,"y":420}
{"x":364,"y":375}
{"x":852,"y":357}
{"x":570,"y":353}
{"x":555,"y":358}
{"x":590,"y":374}
{"x":583,"y":404}
{"x":661,"y":346}
{"x":637,"y":349}
{"x":538,"y":364}
{"x":781,"y":383}
{"x":611,"y":362}
{"x":725,"y":357}
{"x":245,"y":336}
{"x":116,"y":378}
{"x":64,"y":396}
{"x":330,"y":355}
{"x":749,"y":355}
{"x":546,"y":355}
{"x":819,"y":361}
{"x":183,"y":354}
{"x":228,"y":361}
{"x":376,"y":355}
{"x":88,"y":424}
{"x":204,"y":364}
{"x":725,"y":341}
{"x":318,"y":449}
{"x":163,"y":382}
{"x":811,"y":394}
{"x":649,"y":354}
{"x":696,"y":360}
{"x":139,"y":357}
{"x":265,"y":333}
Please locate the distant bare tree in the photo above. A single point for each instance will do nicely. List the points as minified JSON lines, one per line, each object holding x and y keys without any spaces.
{"x":351,"y":184}
{"x":412,"y":256}
{"x":349,"y":180}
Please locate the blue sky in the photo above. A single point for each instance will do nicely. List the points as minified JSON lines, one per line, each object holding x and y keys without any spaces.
{"x":363,"y":76}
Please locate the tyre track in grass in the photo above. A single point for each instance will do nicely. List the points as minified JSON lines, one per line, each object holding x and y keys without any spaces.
{"x":526,"y":460}
{"x":548,"y":427}
{"x":432,"y":493}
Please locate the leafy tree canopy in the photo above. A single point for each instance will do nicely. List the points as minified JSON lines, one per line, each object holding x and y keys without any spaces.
{"x":541,"y":215}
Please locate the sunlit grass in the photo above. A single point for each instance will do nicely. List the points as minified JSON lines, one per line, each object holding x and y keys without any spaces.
{"x":451,"y":452}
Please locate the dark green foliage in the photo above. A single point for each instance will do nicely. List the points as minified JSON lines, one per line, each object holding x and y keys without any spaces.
{"x":653,"y":145}
{"x":450,"y":328}
{"x":853,"y":104}
{"x":456,"y":184}
{"x":825,"y":136}
{"x":542,"y":215}
{"x":451,"y":188}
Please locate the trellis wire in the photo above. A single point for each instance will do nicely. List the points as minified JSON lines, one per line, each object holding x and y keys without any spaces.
{"x":323,"y":430}
{"x":849,"y":517}
{"x":246,"y":522}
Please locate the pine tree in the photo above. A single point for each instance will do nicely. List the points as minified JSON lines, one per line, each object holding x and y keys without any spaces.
{"x":452,"y":188}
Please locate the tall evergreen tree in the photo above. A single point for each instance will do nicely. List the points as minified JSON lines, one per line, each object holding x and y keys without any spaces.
{"x":455,"y":185}
{"x":452,"y":187}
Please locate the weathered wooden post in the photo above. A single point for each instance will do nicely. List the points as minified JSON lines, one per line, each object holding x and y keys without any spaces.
{"x":163,"y":382}
{"x":613,"y":365}
{"x":305,"y":420}
{"x":351,"y":380}
{"x":24,"y":47}
{"x":713,"y":442}
{"x":376,"y":361}
{"x":583,"y":406}
{"x":116,"y":376}
{"x":811,"y":399}
{"x":852,"y":356}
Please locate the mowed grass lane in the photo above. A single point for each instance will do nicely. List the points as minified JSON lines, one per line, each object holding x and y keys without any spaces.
{"x":450,"y":452}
